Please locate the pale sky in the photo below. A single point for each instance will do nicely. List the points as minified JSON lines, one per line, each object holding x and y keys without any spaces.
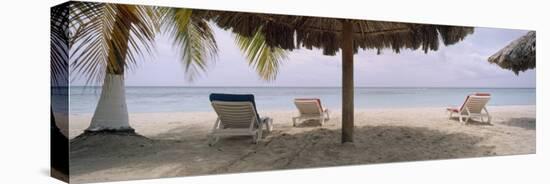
{"x":460,"y":65}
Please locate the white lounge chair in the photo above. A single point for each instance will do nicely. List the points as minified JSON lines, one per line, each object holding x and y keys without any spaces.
{"x":237,"y":115}
{"x":473,"y":106}
{"x":310,"y":109}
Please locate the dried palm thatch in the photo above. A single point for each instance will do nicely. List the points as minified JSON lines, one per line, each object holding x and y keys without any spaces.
{"x":518,"y":55}
{"x":292,"y":32}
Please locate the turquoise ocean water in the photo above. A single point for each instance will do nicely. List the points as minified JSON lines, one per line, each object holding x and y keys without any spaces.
{"x":188,"y":99}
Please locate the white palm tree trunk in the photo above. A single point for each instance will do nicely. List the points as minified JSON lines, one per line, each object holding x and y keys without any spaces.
{"x":111,"y":113}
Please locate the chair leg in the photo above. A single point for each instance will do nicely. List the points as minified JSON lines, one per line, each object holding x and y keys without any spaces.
{"x":489,"y":119}
{"x":269,"y":124}
{"x":259,"y":136}
{"x":212,"y":140}
{"x":259,"y":133}
{"x":255,"y":139}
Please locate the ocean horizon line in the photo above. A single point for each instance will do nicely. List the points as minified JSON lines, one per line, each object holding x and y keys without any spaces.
{"x":84,"y":99}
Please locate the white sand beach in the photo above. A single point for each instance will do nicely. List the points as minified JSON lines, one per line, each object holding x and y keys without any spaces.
{"x":175,"y":144}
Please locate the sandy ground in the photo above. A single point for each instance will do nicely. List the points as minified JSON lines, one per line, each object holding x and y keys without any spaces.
{"x":175,"y":144}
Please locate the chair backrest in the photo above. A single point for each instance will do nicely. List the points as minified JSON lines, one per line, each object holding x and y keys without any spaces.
{"x":309,"y":106}
{"x":476,"y":102}
{"x":235,"y":110}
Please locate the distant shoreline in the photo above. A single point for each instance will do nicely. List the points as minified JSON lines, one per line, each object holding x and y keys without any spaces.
{"x":363,"y":109}
{"x":174,"y":99}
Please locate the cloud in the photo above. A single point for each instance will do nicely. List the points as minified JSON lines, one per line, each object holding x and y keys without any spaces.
{"x":460,"y":65}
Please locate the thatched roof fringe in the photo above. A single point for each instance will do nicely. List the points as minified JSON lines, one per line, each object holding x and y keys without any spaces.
{"x":291,"y":32}
{"x":518,"y":56}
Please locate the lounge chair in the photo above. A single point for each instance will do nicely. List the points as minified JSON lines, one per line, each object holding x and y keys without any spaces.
{"x":237,"y":115}
{"x":310,"y":109}
{"x":473,"y":106}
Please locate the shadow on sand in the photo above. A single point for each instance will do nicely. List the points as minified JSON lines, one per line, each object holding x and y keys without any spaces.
{"x":526,"y":123}
{"x":316,"y":148}
{"x":473,"y":121}
{"x":309,"y":123}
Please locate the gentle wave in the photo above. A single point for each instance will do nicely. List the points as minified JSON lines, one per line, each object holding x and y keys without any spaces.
{"x":182,"y":99}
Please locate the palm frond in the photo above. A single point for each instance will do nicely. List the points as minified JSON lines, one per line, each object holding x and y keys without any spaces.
{"x":111,"y":38}
{"x":264,"y":58}
{"x":193,"y":37}
{"x":59,"y":47}
{"x":65,"y":23}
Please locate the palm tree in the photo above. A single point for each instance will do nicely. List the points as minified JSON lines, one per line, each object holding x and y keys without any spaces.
{"x":106,"y":39}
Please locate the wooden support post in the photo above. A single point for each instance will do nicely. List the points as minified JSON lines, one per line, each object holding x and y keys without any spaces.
{"x":347,"y":81}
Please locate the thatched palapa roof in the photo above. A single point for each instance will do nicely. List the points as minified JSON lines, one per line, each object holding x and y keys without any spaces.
{"x":332,"y":35}
{"x":519,"y":55}
{"x":292,"y":32}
